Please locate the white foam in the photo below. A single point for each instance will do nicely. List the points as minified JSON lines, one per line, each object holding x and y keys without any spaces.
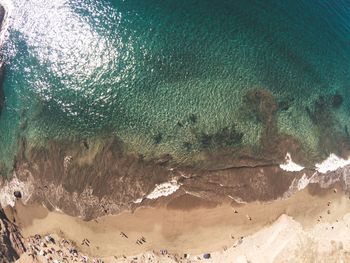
{"x":164,"y":189}
{"x":332,"y":163}
{"x":193,"y":193}
{"x":8,"y":6}
{"x":7,"y":196}
{"x":137,"y":201}
{"x":238,"y":200}
{"x":303,"y":182}
{"x":299,"y":184}
{"x":290,"y":166}
{"x":58,"y":210}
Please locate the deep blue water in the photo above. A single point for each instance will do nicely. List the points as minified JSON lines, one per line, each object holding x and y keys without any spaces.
{"x":170,"y":77}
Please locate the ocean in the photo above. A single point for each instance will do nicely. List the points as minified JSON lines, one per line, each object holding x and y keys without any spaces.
{"x":178,"y":78}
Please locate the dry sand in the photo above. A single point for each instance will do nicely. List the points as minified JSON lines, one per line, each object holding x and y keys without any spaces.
{"x":187,"y":229}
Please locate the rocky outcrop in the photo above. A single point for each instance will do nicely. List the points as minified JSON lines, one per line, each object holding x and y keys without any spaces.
{"x":11,"y":244}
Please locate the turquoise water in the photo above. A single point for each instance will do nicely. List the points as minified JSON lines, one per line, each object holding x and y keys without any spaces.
{"x":170,"y":77}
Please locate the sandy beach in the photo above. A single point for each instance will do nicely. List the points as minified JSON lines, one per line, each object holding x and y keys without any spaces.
{"x":182,"y":231}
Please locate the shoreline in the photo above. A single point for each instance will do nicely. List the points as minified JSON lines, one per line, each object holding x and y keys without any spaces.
{"x":181,"y":231}
{"x":137,"y":184}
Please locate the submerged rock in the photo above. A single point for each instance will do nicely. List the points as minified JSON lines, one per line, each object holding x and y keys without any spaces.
{"x":17,"y":194}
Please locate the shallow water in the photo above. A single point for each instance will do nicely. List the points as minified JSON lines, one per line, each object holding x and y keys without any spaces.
{"x":171,"y":77}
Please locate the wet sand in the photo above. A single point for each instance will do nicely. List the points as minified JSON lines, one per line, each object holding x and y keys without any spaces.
{"x":179,"y":229}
